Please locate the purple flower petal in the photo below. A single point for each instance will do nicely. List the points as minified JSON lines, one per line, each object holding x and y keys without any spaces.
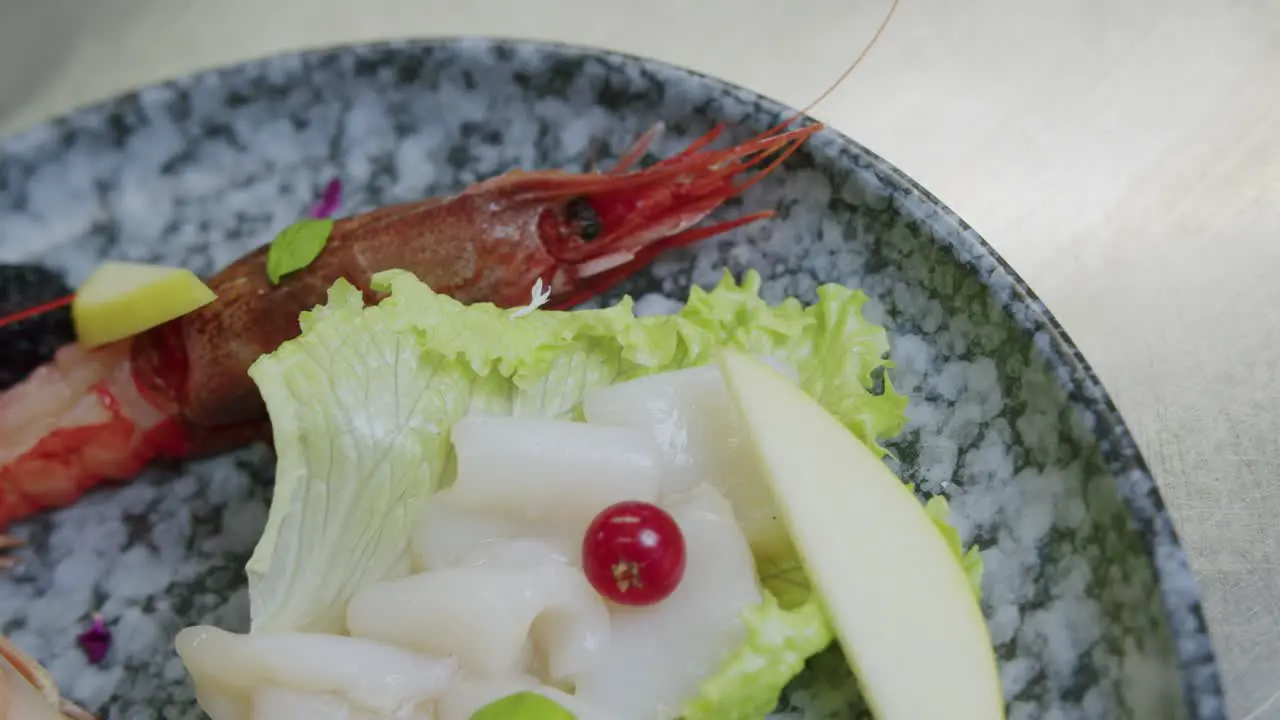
{"x":329,"y":200}
{"x":96,"y":641}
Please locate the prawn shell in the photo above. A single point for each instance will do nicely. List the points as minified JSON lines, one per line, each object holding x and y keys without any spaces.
{"x":38,"y":678}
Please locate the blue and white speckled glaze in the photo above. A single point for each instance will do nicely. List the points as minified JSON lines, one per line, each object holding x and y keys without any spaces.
{"x":1088,"y":595}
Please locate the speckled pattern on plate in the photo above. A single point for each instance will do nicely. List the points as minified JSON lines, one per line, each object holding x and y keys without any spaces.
{"x":1088,"y":594}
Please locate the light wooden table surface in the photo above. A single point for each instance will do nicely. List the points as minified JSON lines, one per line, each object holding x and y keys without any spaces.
{"x":1123,"y":156}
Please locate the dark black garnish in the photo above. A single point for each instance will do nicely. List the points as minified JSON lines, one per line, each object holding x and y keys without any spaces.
{"x":30,"y":343}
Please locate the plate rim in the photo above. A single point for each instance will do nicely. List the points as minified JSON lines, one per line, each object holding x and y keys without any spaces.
{"x":1202,"y":688}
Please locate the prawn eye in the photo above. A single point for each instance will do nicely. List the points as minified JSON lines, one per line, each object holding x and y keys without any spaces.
{"x":582,"y":217}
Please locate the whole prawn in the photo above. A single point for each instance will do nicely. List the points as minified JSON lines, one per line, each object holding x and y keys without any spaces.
{"x":182,"y":389}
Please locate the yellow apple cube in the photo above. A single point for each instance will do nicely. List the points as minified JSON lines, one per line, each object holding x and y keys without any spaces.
{"x":123,"y":299}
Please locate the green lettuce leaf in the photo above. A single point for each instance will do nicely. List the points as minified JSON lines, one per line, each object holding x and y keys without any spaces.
{"x":362,"y":403}
{"x":939,"y":512}
{"x":779,"y":641}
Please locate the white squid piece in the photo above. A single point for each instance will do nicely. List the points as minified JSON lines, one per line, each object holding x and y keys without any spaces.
{"x":465,"y":698}
{"x":494,"y":619}
{"x":551,"y":470}
{"x":277,"y":704}
{"x":231,"y":671}
{"x":514,"y":554}
{"x":447,"y":535}
{"x":691,"y":417}
{"x":658,"y":655}
{"x":532,"y":478}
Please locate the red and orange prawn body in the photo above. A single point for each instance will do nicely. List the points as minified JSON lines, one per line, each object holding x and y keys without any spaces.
{"x":182,"y":389}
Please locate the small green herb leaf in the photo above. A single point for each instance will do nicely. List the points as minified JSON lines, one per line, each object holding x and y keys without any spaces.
{"x":526,"y":705}
{"x":296,"y":247}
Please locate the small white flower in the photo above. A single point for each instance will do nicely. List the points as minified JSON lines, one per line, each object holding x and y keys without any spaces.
{"x":538,"y":297}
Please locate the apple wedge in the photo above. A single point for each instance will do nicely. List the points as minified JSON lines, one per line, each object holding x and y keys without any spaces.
{"x":903,"y":611}
{"x":123,"y":299}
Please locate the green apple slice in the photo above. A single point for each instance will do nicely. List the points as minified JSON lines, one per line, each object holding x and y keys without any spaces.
{"x":123,"y":299}
{"x":902,"y":609}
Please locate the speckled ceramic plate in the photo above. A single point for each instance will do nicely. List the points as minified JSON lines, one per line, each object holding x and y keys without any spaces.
{"x":1088,"y":594}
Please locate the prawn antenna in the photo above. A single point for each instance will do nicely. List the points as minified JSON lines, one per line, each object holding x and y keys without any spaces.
{"x":41,"y":309}
{"x":800,"y":114}
{"x":866,"y":50}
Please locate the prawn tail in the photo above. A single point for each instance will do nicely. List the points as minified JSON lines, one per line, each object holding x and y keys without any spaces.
{"x":78,"y":422}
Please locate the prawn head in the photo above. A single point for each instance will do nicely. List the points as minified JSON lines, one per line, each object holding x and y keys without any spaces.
{"x":598,"y":229}
{"x":601,"y":229}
